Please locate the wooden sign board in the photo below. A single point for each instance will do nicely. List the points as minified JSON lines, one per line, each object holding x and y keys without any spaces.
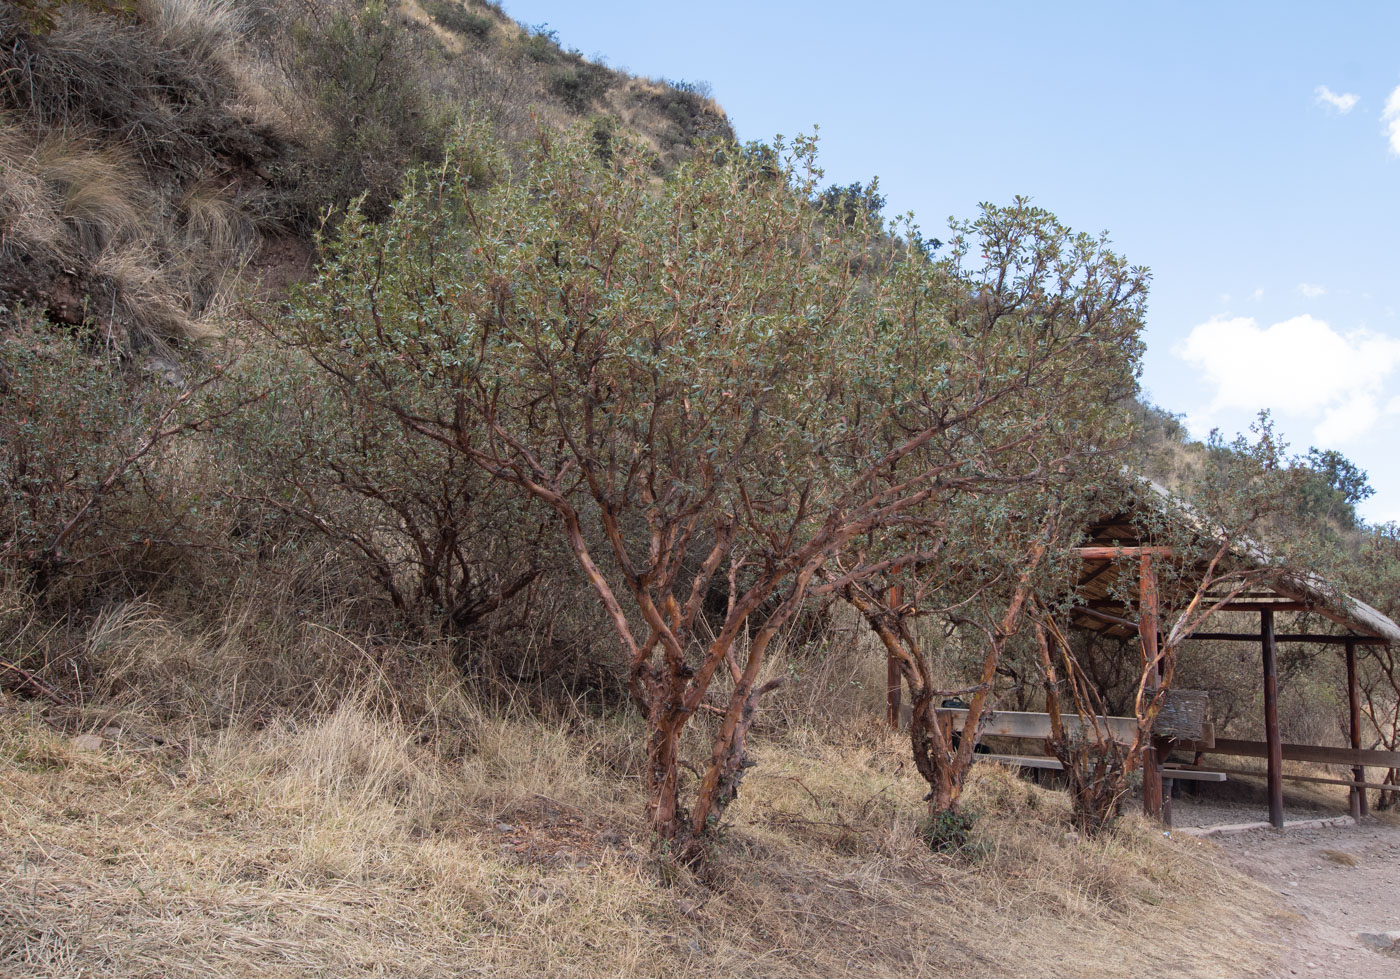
{"x":1183,"y":715}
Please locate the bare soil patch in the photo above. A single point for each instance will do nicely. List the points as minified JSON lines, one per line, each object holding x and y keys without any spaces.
{"x":1335,"y":883}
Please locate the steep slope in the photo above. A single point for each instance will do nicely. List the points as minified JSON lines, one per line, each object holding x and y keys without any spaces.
{"x":153,"y":153}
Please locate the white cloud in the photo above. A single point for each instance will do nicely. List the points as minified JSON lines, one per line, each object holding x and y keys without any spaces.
{"x":1348,"y":420}
{"x":1390,"y":115}
{"x":1300,"y":367}
{"x":1343,"y":103}
{"x":1257,"y":294}
{"x":1311,"y":291}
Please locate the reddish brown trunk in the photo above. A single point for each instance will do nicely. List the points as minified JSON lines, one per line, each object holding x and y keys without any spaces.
{"x":935,"y":759}
{"x":931,"y":745}
{"x":720,"y":784}
{"x":1094,"y":765}
{"x":663,"y":779}
{"x":945,"y":793}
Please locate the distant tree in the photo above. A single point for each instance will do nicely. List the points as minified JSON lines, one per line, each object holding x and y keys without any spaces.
{"x":1341,"y":474}
{"x":1337,"y":487}
{"x":852,"y":202}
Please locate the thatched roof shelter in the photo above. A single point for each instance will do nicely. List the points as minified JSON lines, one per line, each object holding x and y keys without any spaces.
{"x":1118,"y":594}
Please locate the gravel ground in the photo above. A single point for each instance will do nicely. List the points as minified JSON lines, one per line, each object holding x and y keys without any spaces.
{"x":1340,"y":884}
{"x":1207,"y":811}
{"x":1337,"y":884}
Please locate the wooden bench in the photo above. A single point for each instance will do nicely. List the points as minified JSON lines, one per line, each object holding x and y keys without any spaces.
{"x":1053,"y":764}
{"x":1301,"y":778}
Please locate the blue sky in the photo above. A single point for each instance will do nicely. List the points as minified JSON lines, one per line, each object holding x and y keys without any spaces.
{"x":1249,"y":153}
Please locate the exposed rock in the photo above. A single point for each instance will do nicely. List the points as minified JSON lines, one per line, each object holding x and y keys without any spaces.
{"x":1381,"y":941}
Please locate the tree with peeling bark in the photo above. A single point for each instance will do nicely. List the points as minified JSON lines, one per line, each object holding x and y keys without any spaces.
{"x":1066,"y":310}
{"x":997,"y":552}
{"x":713,"y":389}
{"x":992,"y":614}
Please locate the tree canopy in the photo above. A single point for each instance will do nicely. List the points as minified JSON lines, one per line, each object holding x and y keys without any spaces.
{"x":717,"y":390}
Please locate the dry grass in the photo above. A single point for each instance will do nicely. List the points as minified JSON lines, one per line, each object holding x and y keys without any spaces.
{"x":143,"y":159}
{"x":356,"y":832}
{"x":75,"y":210}
{"x":97,"y":193}
{"x":203,"y":29}
{"x":108,"y":212}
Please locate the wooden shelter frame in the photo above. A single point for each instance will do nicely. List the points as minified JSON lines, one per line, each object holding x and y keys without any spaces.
{"x":1115,"y":541}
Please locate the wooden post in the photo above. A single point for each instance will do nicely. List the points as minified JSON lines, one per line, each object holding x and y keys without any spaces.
{"x":894,"y":598}
{"x":1271,"y":735}
{"x":1147,"y":630}
{"x":1358,"y":794}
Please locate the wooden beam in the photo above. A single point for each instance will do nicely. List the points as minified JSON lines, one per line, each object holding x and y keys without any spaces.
{"x":1313,"y":637}
{"x":1271,"y":735}
{"x":1147,"y":631}
{"x":1105,"y":617}
{"x":1113,"y":553}
{"x":1087,"y":578}
{"x":1287,"y":605}
{"x":1035,"y":726}
{"x":1024,"y":761}
{"x":1054,"y":765}
{"x":1317,"y":754}
{"x":1299,"y":778}
{"x":1179,"y":774}
{"x":1358,"y":792}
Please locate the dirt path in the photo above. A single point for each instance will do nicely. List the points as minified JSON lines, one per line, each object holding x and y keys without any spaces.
{"x":1336,"y":881}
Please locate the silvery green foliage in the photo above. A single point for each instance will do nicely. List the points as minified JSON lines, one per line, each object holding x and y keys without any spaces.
{"x":717,"y":391}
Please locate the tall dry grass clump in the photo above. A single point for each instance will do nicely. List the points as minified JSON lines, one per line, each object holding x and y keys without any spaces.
{"x":208,"y":30}
{"x":113,"y":130}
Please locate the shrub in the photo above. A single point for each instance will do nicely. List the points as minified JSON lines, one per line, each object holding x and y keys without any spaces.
{"x":450,"y":552}
{"x":82,"y":440}
{"x":457,"y":18}
{"x":541,"y":45}
{"x":950,"y":831}
{"x":362,"y":72}
{"x":580,"y":86}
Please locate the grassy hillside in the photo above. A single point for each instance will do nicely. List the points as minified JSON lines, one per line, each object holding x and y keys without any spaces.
{"x":156,"y":156}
